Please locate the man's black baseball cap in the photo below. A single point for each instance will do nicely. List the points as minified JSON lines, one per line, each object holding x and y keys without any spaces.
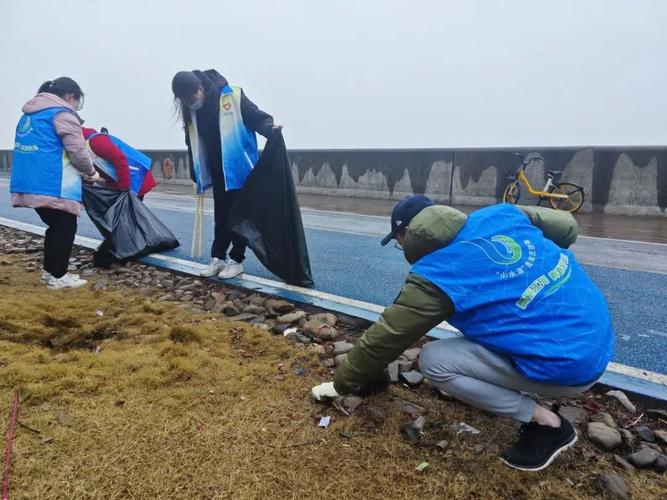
{"x":403,"y":213}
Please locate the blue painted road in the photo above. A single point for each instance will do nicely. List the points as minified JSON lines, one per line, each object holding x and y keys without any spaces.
{"x":356,"y":266}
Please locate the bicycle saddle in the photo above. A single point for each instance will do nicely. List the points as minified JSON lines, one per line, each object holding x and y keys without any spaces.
{"x":554,"y":172}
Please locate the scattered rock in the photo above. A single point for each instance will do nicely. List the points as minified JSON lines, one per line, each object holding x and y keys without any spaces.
{"x":604,"y":436}
{"x":611,"y":486}
{"x":418,"y":423}
{"x":574,"y":414}
{"x":297,"y":338}
{"x":242,"y":317}
{"x":605,"y":418}
{"x":375,"y":414}
{"x":342,"y":347}
{"x":345,"y":434}
{"x":628,"y":437}
{"x":644,"y":433}
{"x":279,"y":306}
{"x":410,"y":434}
{"x":653,"y":446}
{"x":411,"y":409}
{"x":231,"y":309}
{"x":393,"y":371}
{"x":256,"y":300}
{"x":254,"y":309}
{"x":660,"y":464}
{"x":329,"y":363}
{"x":623,"y":463}
{"x":319,"y":330}
{"x":317,"y":349}
{"x":644,"y":458}
{"x":623,"y":399}
{"x":412,"y":378}
{"x":326,"y":318}
{"x":338,"y":360}
{"x":292,"y":317}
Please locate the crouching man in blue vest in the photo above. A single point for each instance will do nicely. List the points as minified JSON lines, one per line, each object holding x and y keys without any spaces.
{"x":532,"y":320}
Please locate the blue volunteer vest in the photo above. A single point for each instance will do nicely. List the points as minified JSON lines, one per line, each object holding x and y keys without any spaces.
{"x":138,"y":163}
{"x":40,"y":164}
{"x":516,"y":292}
{"x":238,"y":144}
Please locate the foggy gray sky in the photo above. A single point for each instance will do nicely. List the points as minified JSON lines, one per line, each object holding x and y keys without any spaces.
{"x":357,"y":74}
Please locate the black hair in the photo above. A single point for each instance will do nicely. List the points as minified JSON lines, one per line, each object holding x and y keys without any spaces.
{"x":184,"y":84}
{"x":104,"y":130}
{"x":61,"y":87}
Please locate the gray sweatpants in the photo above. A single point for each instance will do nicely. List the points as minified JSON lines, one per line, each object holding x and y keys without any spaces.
{"x":483,"y":378}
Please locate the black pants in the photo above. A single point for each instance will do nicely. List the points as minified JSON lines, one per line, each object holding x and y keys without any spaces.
{"x":222,"y":205}
{"x":59,"y":239}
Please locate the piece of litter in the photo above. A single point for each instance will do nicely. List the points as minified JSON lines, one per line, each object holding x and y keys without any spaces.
{"x":99,"y":313}
{"x":463,"y":427}
{"x":288,"y":331}
{"x":421,"y":467}
{"x":324,"y":422}
{"x":98,"y":348}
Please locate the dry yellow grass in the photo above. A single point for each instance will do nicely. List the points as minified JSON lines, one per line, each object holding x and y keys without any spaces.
{"x":182,"y":406}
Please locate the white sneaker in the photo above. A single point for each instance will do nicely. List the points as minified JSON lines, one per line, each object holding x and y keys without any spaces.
{"x":231,"y":269}
{"x":66,"y":281}
{"x":45,"y":277}
{"x":215,"y":266}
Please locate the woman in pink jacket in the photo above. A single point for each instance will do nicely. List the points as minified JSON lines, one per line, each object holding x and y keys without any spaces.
{"x":49,"y":160}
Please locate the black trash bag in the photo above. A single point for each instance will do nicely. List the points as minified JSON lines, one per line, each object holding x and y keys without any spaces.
{"x":129,"y":228}
{"x":266,"y":216}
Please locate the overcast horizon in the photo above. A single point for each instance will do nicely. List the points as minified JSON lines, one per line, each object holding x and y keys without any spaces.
{"x":368,"y":74}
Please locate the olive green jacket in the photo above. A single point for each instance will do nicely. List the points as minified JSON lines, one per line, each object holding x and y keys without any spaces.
{"x":421,"y":305}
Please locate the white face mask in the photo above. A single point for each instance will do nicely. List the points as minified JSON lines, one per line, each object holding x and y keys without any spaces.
{"x":196,"y":105}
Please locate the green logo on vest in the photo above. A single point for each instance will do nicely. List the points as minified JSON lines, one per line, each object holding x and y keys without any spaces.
{"x":501,"y":249}
{"x":24,"y":125}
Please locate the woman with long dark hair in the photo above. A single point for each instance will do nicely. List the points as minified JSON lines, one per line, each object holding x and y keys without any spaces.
{"x":49,"y":160}
{"x":220,"y":124}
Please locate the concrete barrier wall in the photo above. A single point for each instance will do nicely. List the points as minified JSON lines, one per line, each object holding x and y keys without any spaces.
{"x":622,"y":180}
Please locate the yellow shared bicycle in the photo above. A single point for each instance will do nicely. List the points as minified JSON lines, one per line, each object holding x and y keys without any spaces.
{"x":561,"y":195}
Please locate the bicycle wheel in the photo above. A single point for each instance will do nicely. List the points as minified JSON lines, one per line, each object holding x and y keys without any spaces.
{"x":575,"y":197}
{"x":511,"y":193}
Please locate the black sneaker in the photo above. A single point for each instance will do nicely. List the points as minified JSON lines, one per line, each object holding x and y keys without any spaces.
{"x":538,"y":445}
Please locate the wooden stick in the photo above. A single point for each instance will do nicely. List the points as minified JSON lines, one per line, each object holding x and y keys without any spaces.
{"x":201,"y":224}
{"x":194,"y":230}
